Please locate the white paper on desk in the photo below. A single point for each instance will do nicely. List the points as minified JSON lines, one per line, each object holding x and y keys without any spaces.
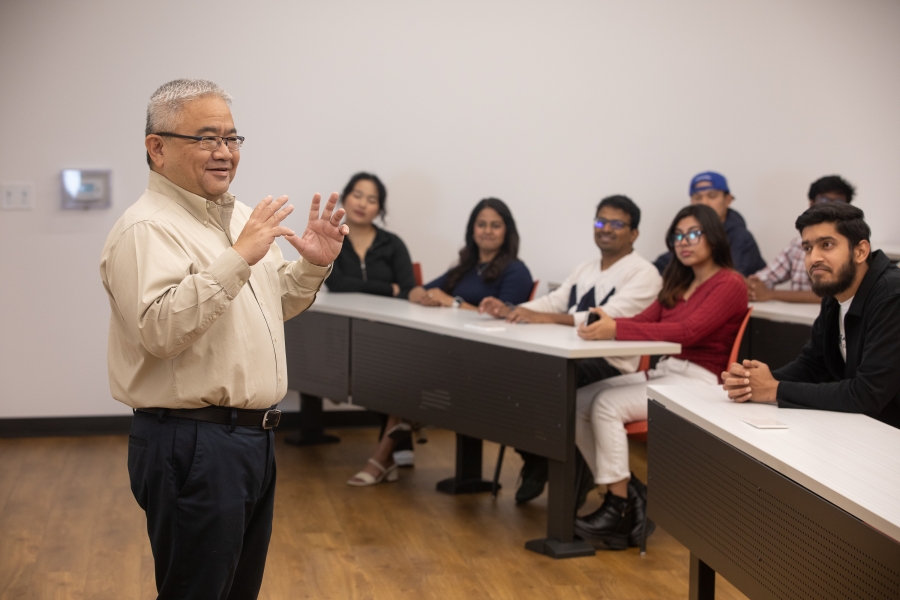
{"x":484,"y":327}
{"x":765,"y":423}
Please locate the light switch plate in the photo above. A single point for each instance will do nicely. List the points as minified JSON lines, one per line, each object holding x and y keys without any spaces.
{"x":17,"y":196}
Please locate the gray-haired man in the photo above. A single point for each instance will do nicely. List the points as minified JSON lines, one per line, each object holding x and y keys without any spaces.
{"x":200,"y":358}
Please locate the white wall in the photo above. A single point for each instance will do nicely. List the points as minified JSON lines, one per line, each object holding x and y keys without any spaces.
{"x":548,"y":105}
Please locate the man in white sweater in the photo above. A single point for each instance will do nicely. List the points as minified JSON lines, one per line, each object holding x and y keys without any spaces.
{"x":621,"y":281}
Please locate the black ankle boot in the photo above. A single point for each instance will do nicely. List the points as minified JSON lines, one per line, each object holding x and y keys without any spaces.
{"x":638,"y":492}
{"x":610,"y":525}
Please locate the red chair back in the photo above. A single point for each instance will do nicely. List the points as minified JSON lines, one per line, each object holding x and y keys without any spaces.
{"x":417,"y":273}
{"x":740,"y":337}
{"x":534,"y":289}
{"x":638,"y":429}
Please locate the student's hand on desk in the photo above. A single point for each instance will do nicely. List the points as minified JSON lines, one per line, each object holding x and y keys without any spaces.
{"x":523,"y":315}
{"x":436,"y":297}
{"x":604,"y":329}
{"x":757,"y":290}
{"x":751,"y":381}
{"x":494,"y":307}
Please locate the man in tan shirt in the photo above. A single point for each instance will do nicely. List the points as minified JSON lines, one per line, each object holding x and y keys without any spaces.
{"x":198,"y":293}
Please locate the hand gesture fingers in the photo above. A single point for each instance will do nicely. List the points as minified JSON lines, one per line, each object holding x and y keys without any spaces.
{"x":328,"y":213}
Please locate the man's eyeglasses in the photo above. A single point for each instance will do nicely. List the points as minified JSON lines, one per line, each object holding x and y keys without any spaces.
{"x":209,"y":142}
{"x":613,"y":224}
{"x":823,"y":199}
{"x":692,"y":237}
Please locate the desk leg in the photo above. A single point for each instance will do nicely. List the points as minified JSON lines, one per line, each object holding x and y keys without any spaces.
{"x":468,"y":469}
{"x":312,"y":421}
{"x":703,"y":580}
{"x":560,"y":541}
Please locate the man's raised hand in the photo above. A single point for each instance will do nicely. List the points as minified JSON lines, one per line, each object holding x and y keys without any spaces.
{"x":261,"y":229}
{"x":321,"y":243}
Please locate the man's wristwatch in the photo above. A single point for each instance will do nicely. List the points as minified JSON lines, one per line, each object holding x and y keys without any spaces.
{"x":457,"y":302}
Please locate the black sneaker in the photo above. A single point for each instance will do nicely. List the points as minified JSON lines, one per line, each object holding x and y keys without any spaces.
{"x":638,"y":492}
{"x":533,"y":479}
{"x":609,"y":526}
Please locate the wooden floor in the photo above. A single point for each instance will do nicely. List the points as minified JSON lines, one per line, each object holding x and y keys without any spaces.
{"x":70,"y":528}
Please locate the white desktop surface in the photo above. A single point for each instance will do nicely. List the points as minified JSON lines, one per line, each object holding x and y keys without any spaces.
{"x":550,"y":339}
{"x":801,"y":313}
{"x":851,"y":460}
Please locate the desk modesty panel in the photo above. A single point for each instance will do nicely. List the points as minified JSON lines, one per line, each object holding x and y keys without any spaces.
{"x":811,"y":511}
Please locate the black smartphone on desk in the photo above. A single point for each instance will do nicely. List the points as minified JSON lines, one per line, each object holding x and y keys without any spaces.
{"x":592,"y":318}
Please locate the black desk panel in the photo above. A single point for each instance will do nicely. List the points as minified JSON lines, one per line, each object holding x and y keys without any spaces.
{"x":769,"y":536}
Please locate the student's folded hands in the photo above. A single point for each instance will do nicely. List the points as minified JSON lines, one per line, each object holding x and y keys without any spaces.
{"x":751,"y":381}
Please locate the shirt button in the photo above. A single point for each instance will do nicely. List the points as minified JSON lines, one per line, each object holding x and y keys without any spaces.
{"x":279,"y":378}
{"x":215,"y":317}
{"x":206,"y":222}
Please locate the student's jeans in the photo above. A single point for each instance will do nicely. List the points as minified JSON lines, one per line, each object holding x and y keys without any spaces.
{"x":602,"y":409}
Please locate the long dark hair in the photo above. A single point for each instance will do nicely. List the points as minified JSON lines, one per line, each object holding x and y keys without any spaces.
{"x":468,"y":256}
{"x":677,"y":277}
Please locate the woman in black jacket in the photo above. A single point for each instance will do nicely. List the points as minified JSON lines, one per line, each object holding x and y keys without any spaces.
{"x":375,"y":261}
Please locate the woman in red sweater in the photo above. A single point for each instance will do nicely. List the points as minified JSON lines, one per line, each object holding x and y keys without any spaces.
{"x":701,"y":306}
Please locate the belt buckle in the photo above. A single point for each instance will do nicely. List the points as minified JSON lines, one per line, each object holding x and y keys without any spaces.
{"x":271,"y":418}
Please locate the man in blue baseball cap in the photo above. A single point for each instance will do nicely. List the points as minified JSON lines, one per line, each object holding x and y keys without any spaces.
{"x":711,"y":188}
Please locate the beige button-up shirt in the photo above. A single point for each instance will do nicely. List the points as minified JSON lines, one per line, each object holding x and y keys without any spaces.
{"x":191,"y":323}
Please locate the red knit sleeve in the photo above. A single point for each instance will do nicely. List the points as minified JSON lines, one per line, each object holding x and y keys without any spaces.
{"x":651,"y":314}
{"x":706,"y":311}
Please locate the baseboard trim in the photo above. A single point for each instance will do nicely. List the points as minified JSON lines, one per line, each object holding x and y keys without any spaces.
{"x":121,"y":424}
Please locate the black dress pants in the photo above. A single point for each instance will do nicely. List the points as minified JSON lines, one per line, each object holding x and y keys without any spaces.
{"x":209,"y":495}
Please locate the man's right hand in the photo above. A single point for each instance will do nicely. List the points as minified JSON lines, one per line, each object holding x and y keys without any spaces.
{"x":261,"y":229}
{"x":494,"y":307}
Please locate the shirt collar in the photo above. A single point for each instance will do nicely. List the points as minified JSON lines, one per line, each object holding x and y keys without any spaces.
{"x":192,"y":203}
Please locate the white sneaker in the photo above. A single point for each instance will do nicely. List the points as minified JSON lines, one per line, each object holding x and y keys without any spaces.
{"x":404,"y":458}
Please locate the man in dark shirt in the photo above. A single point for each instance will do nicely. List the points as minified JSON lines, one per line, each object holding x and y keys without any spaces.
{"x":711,"y":189}
{"x":850,"y":363}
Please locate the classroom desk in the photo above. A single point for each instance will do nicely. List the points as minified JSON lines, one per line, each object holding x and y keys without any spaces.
{"x":812,"y":511}
{"x":456,"y":369}
{"x":778,"y":331}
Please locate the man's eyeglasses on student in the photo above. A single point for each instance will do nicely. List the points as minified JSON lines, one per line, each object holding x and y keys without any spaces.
{"x":691,"y":237}
{"x":613,"y":224}
{"x":209,"y":142}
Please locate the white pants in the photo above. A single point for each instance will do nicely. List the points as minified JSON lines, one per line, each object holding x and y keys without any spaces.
{"x":603,"y":408}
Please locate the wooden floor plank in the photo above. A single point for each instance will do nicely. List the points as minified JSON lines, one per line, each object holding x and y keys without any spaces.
{"x":70,"y":528}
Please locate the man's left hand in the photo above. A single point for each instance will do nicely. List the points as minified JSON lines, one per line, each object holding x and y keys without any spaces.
{"x":751,"y":381}
{"x":324,"y":235}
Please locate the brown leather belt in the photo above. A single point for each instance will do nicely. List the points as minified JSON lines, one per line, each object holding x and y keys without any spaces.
{"x":267,"y":418}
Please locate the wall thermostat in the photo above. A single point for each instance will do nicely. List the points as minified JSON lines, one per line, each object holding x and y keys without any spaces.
{"x":82,"y":190}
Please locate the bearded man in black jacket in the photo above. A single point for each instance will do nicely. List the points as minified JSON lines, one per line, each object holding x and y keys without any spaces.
{"x":852,"y":360}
